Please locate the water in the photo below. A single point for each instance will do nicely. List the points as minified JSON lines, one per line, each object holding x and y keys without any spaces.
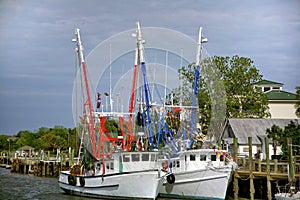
{"x":14,"y":186}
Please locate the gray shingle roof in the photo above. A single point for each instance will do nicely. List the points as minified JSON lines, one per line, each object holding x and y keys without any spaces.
{"x":245,"y":127}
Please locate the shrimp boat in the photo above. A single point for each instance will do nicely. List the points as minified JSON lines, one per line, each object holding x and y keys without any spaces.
{"x":114,"y":170}
{"x":199,"y":172}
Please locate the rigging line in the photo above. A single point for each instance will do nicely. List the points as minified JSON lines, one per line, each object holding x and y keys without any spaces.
{"x":91,"y":87}
{"x":156,"y":89}
{"x":166,"y":75}
{"x":76,"y":89}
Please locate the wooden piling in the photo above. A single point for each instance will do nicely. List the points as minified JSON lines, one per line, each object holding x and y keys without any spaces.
{"x":252,"y":189}
{"x":235,"y":177}
{"x":269,"y":193}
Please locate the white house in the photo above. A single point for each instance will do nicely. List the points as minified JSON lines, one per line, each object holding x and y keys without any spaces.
{"x":281,"y":103}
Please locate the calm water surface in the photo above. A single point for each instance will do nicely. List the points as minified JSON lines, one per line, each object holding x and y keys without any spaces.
{"x":14,"y":186}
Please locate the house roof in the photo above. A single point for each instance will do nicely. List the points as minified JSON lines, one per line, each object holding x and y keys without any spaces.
{"x":267,"y":82}
{"x":25,"y":148}
{"x":280,"y":95}
{"x":256,"y":128}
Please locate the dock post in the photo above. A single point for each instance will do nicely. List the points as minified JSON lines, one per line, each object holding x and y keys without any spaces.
{"x":25,"y":164}
{"x":291,"y":163}
{"x":268,"y":169}
{"x":235,"y":177}
{"x":275,"y":165}
{"x":259,"y":165}
{"x":252,"y":189}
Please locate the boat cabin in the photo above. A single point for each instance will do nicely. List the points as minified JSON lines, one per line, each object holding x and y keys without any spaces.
{"x":128,"y":162}
{"x":196,"y":159}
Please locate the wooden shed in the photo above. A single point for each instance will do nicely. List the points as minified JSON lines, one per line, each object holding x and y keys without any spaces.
{"x":242,"y":128}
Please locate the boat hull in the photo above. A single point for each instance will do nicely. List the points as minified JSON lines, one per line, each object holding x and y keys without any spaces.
{"x":141,"y":185}
{"x":287,"y":196}
{"x":198,"y":184}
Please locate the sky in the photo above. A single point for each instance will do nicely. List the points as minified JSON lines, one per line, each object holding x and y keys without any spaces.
{"x":37,"y":56}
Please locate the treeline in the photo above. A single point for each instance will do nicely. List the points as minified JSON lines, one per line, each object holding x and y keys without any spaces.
{"x":48,"y":139}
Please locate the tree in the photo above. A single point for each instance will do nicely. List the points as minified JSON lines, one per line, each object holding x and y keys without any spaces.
{"x":276,"y":134}
{"x":226,"y":85}
{"x":51,"y":142}
{"x":292,"y":130}
{"x":25,"y":138}
{"x":297,"y":106}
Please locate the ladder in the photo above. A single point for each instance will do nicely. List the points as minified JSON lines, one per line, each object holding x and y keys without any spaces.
{"x":80,"y":153}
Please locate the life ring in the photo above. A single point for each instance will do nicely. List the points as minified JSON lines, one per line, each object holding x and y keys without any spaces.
{"x":81,"y":181}
{"x":171,"y":178}
{"x":72,"y":179}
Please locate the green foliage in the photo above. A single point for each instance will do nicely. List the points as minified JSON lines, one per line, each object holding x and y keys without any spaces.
{"x":112,"y":127}
{"x":226,"y":85}
{"x":275,"y":133}
{"x":51,"y":142}
{"x":239,"y":75}
{"x":297,"y":106}
{"x":279,"y":137}
{"x":45,"y":138}
{"x":4,"y":143}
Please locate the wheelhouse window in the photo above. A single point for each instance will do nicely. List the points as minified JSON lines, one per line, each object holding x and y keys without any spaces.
{"x":152,"y":157}
{"x":213,"y":157}
{"x":145,"y":157}
{"x":135,"y":157}
{"x":126,"y":158}
{"x":192,"y":157}
{"x":202,"y":157}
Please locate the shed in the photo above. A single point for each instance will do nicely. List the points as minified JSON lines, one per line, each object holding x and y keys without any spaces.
{"x":242,"y":128}
{"x":22,"y":151}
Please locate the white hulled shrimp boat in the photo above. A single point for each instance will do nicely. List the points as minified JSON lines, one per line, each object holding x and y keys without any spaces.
{"x":115,"y":172}
{"x":199,"y":173}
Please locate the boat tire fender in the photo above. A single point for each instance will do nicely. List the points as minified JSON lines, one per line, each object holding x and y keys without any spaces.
{"x":82,"y":181}
{"x":171,"y":178}
{"x":72,"y":179}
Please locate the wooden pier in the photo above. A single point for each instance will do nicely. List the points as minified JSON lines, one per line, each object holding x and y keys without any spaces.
{"x":254,"y":178}
{"x":266,"y":174}
{"x":46,"y":166}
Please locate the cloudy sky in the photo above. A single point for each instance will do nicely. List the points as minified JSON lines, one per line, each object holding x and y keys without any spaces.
{"x":37,"y":55}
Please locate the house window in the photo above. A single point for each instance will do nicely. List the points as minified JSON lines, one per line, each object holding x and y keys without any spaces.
{"x":266,"y":89}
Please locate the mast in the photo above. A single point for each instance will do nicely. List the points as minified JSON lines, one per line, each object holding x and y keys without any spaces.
{"x":87,"y":104}
{"x":132,"y":97}
{"x":201,"y":40}
{"x":146,"y":86}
